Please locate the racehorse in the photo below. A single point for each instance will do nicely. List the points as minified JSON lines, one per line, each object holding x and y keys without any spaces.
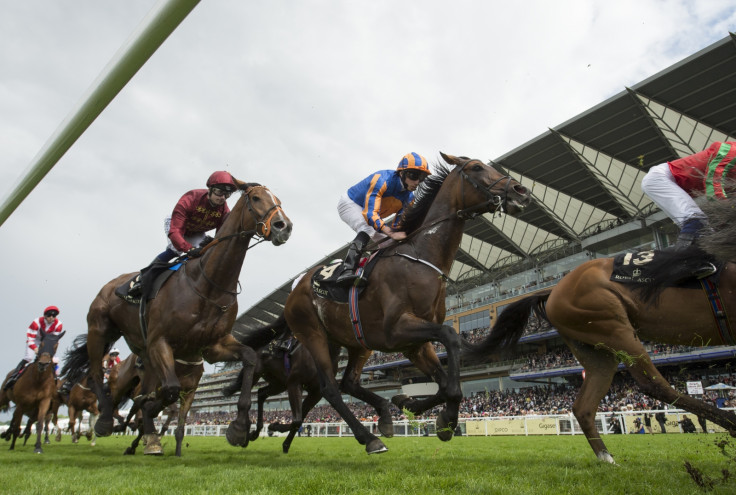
{"x":402,"y":309}
{"x":299,"y":374}
{"x":81,"y":398}
{"x":604,"y":322}
{"x":189,"y":319}
{"x":34,"y":390}
{"x":126,"y":380}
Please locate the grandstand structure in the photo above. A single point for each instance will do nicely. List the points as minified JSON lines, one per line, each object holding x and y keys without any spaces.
{"x":585,"y":177}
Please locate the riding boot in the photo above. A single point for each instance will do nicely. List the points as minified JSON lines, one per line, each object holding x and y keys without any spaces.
{"x":689,"y":234}
{"x":16,"y":374}
{"x":147,"y":276}
{"x":346,"y":273}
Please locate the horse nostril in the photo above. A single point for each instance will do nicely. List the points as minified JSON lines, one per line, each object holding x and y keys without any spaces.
{"x":279,"y":225}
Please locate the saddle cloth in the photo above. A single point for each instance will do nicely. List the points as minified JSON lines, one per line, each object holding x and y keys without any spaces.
{"x":324,"y":286}
{"x":636,"y":268}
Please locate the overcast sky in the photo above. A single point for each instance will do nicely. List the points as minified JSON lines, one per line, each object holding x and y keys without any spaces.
{"x":306,"y":98}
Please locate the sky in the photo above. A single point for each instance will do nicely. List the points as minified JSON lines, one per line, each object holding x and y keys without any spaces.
{"x":306,"y":98}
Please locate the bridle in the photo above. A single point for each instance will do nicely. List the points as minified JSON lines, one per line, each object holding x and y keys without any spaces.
{"x":492,"y":199}
{"x":262,"y":230}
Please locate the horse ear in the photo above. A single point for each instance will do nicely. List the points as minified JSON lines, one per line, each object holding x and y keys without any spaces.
{"x":452,"y":160}
{"x":241,"y":185}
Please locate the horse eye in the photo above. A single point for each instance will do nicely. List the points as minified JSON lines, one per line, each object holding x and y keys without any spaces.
{"x":477,"y":168}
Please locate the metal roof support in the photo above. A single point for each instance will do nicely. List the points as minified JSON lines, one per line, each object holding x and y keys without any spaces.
{"x":145,"y":40}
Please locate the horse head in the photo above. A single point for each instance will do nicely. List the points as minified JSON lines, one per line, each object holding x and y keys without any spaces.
{"x":265,"y":208}
{"x":490,"y":190}
{"x":47,"y":349}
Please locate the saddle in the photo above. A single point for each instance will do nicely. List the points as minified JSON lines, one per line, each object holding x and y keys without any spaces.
{"x":323,"y":280}
{"x":166,"y":270}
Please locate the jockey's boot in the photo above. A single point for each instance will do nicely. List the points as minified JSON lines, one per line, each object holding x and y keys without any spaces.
{"x":688,"y":237}
{"x":346,"y":273}
{"x":148,"y":275}
{"x":16,"y":374}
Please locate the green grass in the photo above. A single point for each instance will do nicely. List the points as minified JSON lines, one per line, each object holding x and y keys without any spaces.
{"x":647,"y":464}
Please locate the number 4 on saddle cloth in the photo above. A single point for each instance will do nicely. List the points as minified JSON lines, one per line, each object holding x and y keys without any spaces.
{"x":323,"y":280}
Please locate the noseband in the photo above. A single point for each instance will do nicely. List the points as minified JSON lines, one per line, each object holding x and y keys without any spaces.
{"x":498,"y":202}
{"x":263,"y":224}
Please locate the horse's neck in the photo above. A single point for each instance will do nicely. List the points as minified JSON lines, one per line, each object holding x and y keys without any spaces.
{"x":438,"y":239}
{"x":222,"y":263}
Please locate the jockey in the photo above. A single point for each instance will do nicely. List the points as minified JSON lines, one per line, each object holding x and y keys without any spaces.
{"x":197,"y":212}
{"x":364,"y":206}
{"x":47,"y":324}
{"x":110,"y":361}
{"x":672,"y":186}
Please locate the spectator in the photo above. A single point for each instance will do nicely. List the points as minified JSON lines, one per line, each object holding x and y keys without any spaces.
{"x":662,"y":420}
{"x":687,"y":424}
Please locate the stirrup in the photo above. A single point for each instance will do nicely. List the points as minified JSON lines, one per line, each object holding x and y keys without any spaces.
{"x":705,"y":270}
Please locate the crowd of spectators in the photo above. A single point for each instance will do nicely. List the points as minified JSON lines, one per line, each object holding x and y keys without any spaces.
{"x":537,"y":400}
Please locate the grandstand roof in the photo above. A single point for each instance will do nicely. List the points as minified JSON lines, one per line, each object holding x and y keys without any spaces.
{"x":587,"y":172}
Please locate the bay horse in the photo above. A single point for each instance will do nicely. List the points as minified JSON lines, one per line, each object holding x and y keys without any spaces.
{"x":82,"y":398}
{"x":300,"y":374}
{"x":189,"y":319}
{"x":34,"y":391}
{"x":126,"y":381}
{"x":402,"y":308}
{"x":604,"y":322}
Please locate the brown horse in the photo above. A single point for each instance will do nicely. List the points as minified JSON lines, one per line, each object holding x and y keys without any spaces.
{"x":189,"y":319}
{"x":82,"y":398}
{"x":34,"y":391}
{"x":403,"y":307}
{"x":126,"y":381}
{"x":301,"y":375}
{"x":604,"y":322}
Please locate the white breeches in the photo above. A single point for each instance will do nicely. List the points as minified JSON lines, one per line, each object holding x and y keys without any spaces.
{"x":193,"y":239}
{"x":352,"y":214}
{"x":659,"y":184}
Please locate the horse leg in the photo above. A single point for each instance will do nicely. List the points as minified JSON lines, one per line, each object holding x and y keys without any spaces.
{"x":653,"y":384}
{"x":299,"y":411}
{"x":263,"y":393}
{"x":134,"y":444}
{"x":350,"y":385}
{"x":229,"y":349}
{"x":600,"y":366}
{"x":73,"y":422}
{"x":100,"y":331}
{"x":181,"y":422}
{"x":411,"y":329}
{"x":15,"y":426}
{"x":91,"y":434}
{"x":43,"y":409}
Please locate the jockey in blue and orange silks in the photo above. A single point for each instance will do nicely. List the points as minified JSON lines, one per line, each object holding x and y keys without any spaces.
{"x":364,"y":206}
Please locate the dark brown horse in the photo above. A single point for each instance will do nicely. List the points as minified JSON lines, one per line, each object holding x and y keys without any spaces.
{"x":604,"y":323}
{"x":299,"y":375}
{"x":126,"y":381}
{"x":190,"y":318}
{"x":403,"y":307}
{"x":34,"y":390}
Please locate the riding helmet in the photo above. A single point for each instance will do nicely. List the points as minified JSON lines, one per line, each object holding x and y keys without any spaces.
{"x":222,"y":180}
{"x":413,"y":161}
{"x":51,"y":308}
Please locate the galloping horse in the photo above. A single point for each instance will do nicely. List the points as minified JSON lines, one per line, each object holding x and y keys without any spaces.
{"x":403,"y":307}
{"x":301,"y":374}
{"x":126,"y":381}
{"x":34,"y":390}
{"x":81,"y":398}
{"x":189,"y":319}
{"x":603,"y":323}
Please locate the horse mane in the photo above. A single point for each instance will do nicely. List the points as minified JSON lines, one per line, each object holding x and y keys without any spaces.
{"x":413,"y":216}
{"x":718,"y":240}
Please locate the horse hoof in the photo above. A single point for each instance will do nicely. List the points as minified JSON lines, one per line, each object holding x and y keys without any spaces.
{"x":38,"y":450}
{"x":444,"y":430}
{"x":47,"y":442}
{"x":93,"y":443}
{"x":235,"y":435}
{"x":103,"y":427}
{"x":129,"y":451}
{"x":285,"y":448}
{"x":153,"y":445}
{"x":376,"y":446}
{"x":386,"y":428}
{"x":605,"y":456}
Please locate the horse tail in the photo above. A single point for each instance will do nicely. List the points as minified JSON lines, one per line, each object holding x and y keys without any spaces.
{"x":76,"y":360}
{"x":509,"y":328}
{"x":256,"y":338}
